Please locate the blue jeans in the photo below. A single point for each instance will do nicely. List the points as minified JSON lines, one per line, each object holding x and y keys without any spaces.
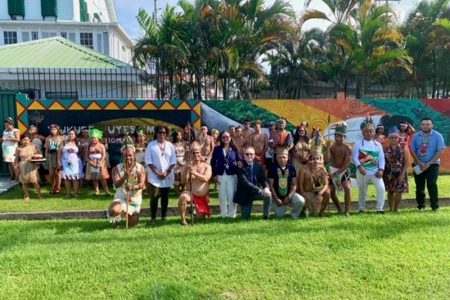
{"x":246,"y":210}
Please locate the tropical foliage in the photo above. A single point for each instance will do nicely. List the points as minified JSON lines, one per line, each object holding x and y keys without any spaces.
{"x":212,"y":49}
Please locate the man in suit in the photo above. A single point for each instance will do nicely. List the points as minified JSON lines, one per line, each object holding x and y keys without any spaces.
{"x":252,"y":185}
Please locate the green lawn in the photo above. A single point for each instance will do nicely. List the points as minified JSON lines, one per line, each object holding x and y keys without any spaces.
{"x":392,"y":256}
{"x":12,"y":201}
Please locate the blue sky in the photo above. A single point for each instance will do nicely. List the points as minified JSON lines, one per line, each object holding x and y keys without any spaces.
{"x":127,"y":10}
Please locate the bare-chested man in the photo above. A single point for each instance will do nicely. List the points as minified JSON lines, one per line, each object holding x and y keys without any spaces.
{"x":260,"y":141}
{"x":196,"y":175}
{"x":247,"y":131}
{"x":206,"y":144}
{"x":283,"y":138}
{"x":239,"y":141}
{"x":313,"y":185}
{"x":339,"y":155}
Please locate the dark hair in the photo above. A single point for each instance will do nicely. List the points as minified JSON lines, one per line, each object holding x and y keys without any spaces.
{"x":175,"y":136}
{"x":426,"y":119}
{"x":158,"y":128}
{"x":297,"y":135}
{"x":232,"y":146}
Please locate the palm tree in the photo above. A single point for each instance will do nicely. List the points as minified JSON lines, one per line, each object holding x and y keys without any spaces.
{"x":163,"y":44}
{"x":339,"y":11}
{"x":372,"y":48}
{"x":423,"y":31}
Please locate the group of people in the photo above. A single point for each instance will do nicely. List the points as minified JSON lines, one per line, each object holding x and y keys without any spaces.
{"x":282,"y":168}
{"x":69,"y":158}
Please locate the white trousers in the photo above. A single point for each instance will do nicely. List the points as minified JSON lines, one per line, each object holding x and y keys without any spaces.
{"x":297,"y":202}
{"x":227,"y":188}
{"x":363,"y":183}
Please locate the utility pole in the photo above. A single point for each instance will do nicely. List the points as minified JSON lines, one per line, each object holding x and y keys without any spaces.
{"x":155,"y":10}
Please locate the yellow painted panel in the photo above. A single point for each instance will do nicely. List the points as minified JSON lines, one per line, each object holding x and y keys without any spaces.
{"x":20,"y":108}
{"x":166,"y":106}
{"x":296,"y":112}
{"x":184,"y":106}
{"x":36,"y":105}
{"x":112,"y":106}
{"x":56,"y":106}
{"x":148,"y":106}
{"x":76,"y":106}
{"x":94,"y":106}
{"x":130,"y":106}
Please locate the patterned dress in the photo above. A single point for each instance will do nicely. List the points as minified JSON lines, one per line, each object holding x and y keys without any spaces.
{"x":395,"y":160}
{"x":28,"y":171}
{"x":71,"y":163}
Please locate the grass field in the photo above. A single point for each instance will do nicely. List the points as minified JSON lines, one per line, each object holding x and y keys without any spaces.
{"x":12,"y":201}
{"x":404,"y":256}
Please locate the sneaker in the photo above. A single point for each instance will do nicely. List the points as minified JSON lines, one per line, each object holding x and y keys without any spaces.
{"x":421,"y":209}
{"x":380,"y":212}
{"x":361,"y":211}
{"x":152,"y":222}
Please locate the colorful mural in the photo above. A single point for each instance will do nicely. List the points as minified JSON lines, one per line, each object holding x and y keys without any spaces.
{"x":324,"y":112}
{"x":114,"y":118}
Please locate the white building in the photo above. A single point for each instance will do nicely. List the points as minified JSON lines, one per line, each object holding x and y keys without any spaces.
{"x":91,"y":23}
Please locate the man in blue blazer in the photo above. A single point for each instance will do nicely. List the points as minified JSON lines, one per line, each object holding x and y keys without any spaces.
{"x":252,"y":185}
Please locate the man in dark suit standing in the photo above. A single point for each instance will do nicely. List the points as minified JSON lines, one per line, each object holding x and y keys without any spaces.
{"x":252,"y":185}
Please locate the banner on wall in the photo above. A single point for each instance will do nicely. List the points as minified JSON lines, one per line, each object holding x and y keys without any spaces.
{"x":114,"y":118}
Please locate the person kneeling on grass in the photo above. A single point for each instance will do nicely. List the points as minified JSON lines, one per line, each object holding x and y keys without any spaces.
{"x":129,"y":180}
{"x":251,"y":185}
{"x":283,"y":184}
{"x":195,"y":176}
{"x":313,"y":184}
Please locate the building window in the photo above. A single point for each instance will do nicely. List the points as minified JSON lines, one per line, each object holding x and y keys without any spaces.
{"x":9,"y":37}
{"x":64,"y":34}
{"x":34,"y":35}
{"x":86,"y":39}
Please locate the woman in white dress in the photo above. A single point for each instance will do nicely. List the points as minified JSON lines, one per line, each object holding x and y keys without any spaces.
{"x":70,"y":162}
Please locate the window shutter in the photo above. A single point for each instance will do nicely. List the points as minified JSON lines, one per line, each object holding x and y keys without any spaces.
{"x":84,"y":16}
{"x":16,"y":8}
{"x":49,"y":8}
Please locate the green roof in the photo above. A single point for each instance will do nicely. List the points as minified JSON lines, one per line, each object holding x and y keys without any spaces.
{"x":55,"y":52}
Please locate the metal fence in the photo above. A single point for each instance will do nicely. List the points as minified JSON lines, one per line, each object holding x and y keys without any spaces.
{"x":68,"y":83}
{"x":132,"y":83}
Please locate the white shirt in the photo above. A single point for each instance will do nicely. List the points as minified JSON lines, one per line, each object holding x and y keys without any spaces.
{"x":162,"y":157}
{"x":372,"y":148}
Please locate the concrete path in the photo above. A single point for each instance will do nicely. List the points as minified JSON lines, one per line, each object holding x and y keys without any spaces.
{"x":6,"y":184}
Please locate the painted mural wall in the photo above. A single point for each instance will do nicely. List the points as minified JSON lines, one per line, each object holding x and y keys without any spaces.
{"x":324,"y":112}
{"x":114,"y":118}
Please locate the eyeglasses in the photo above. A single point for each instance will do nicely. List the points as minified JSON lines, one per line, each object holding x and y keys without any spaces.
{"x":249,"y":154}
